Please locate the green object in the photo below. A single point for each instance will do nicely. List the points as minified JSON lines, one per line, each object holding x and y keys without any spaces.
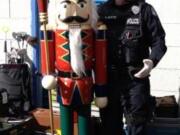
{"x":84,"y":114}
{"x":83,"y":125}
{"x":67,"y":119}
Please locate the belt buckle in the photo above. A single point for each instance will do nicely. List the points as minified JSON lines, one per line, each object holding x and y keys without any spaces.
{"x":74,"y":76}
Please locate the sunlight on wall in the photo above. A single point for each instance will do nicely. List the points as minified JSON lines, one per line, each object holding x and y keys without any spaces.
{"x":15,"y":16}
{"x":165,"y":79}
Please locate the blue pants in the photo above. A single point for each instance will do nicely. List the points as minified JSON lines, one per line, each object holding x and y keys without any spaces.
{"x":128,"y":97}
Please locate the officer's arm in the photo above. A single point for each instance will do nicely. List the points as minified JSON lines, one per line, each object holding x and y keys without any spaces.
{"x":156,"y":34}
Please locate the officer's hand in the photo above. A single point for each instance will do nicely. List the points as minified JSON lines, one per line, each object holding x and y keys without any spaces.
{"x":101,"y":102}
{"x":49,"y":82}
{"x":144,"y":72}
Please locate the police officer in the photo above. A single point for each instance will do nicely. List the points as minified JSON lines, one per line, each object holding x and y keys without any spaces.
{"x":136,"y":43}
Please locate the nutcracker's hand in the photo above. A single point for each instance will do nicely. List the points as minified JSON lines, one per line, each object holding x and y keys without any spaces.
{"x":101,"y":99}
{"x":145,"y":71}
{"x":101,"y":102}
{"x":49,"y":82}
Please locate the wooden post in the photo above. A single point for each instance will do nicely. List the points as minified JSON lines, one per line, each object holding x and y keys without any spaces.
{"x":42,"y":6}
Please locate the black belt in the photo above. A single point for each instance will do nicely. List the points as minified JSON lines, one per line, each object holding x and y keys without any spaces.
{"x":124,"y":70}
{"x":73,"y":75}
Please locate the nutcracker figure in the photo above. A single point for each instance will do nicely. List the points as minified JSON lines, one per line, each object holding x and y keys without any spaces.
{"x":77,"y":55}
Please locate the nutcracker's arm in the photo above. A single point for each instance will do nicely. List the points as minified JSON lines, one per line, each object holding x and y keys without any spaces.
{"x":101,"y":67}
{"x":51,"y":50}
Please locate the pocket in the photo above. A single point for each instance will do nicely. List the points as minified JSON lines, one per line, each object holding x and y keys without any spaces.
{"x":131,"y":42}
{"x":132,"y":54}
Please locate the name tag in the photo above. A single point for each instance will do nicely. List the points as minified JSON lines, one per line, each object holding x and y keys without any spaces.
{"x":110,"y":17}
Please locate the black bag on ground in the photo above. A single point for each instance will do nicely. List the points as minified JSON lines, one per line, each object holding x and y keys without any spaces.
{"x":15,"y":78}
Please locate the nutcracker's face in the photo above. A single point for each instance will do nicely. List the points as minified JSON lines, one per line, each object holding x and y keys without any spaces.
{"x":73,"y":11}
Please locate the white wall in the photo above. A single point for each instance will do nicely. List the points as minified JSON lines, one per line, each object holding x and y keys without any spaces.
{"x":15,"y":15}
{"x":165,"y":78}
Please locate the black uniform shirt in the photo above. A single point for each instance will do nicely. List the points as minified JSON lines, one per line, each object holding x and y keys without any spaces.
{"x":149,"y":36}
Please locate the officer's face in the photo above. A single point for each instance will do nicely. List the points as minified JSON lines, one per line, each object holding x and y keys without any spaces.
{"x":120,"y":2}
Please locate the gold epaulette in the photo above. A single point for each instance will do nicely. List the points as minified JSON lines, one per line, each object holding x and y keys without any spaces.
{"x":101,"y":26}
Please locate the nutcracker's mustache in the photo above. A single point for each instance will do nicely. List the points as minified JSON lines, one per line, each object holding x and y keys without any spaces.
{"x":78,"y":19}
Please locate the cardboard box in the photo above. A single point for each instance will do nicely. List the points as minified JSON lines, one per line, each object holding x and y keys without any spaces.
{"x":42,"y":118}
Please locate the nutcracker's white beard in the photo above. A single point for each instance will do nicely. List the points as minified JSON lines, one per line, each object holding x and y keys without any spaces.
{"x":76,"y":53}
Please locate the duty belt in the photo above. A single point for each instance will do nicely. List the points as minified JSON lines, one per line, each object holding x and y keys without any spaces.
{"x":135,"y":120}
{"x":73,"y":75}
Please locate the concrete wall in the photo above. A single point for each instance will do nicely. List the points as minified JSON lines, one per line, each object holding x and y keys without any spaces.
{"x":165,"y":78}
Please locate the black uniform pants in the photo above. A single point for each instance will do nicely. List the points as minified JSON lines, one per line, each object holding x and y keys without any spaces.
{"x":128,"y":97}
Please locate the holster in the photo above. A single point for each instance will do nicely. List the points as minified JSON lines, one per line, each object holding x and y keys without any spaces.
{"x":134,"y":120}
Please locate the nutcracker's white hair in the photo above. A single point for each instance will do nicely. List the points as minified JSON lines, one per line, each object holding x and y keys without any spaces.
{"x":76,"y":54}
{"x":94,"y":15}
{"x":52,"y":12}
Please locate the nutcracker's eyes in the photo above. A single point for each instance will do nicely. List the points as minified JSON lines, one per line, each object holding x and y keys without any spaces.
{"x":65,"y":4}
{"x":82,"y":4}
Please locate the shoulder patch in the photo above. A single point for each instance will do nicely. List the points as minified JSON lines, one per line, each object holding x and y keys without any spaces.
{"x":135,"y":9}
